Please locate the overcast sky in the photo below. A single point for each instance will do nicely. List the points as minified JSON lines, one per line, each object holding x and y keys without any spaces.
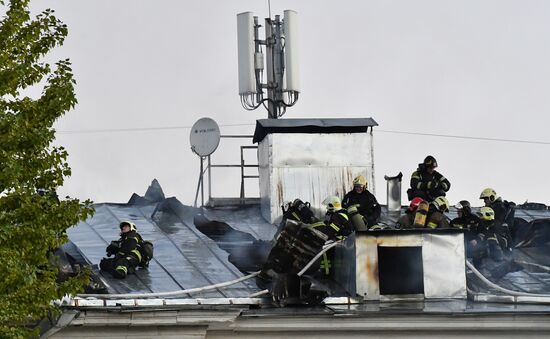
{"x":462,"y":68}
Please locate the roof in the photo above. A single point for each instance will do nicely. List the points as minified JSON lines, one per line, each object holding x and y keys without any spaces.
{"x":348,"y":125}
{"x":198,"y":247}
{"x":185,"y":257}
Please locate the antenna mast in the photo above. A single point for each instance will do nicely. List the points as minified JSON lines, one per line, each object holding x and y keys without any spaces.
{"x":281,"y":60}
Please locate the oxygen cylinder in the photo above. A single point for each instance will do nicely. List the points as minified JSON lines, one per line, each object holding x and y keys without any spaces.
{"x":356,"y":219}
{"x":421,"y":214}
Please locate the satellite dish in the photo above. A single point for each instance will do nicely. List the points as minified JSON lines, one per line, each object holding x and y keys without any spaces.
{"x":204,"y":137}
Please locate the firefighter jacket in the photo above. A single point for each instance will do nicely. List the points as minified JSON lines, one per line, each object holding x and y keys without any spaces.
{"x":436,"y":219}
{"x":431,"y":185}
{"x":466,"y":222}
{"x":504,"y":212}
{"x":366,"y":203}
{"x":406,"y":220}
{"x":128,"y":244}
{"x":470,"y":224}
{"x":336,"y":225}
{"x":494,"y":231}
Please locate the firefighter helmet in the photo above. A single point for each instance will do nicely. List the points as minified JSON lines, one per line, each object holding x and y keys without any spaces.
{"x":430,"y":161}
{"x":333,"y":203}
{"x":489,"y":193}
{"x":464,"y":206}
{"x":129,"y":223}
{"x":413,"y":206}
{"x":360,"y":181}
{"x":487,"y":213}
{"x":442,"y":204}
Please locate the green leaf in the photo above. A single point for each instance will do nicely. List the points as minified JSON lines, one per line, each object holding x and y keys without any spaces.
{"x":33,"y":220}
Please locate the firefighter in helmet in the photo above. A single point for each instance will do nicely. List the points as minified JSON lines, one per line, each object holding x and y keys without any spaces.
{"x":297,"y":244}
{"x":436,"y":213}
{"x":336,"y":226}
{"x":466,"y":220}
{"x":504,"y":212}
{"x":362,"y":201}
{"x":491,"y":241}
{"x":407,"y":219}
{"x":427,"y":183}
{"x":126,"y":251}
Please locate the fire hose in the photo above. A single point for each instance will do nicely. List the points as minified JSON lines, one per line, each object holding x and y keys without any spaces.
{"x":502,"y":289}
{"x":204,"y":288}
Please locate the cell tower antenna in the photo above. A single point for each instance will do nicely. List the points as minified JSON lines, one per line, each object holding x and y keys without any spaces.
{"x":282,"y":85}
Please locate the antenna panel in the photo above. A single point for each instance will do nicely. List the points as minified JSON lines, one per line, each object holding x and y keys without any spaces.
{"x":291,"y":51}
{"x":245,"y":41}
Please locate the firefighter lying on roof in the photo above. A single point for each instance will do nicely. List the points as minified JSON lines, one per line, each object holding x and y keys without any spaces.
{"x":129,"y":252}
{"x":296,"y":245}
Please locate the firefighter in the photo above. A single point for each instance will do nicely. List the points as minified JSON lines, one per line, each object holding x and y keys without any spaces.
{"x":491,"y":240}
{"x":504,"y":212}
{"x":296,"y":245}
{"x":364,"y":201}
{"x":336,"y":226}
{"x":466,"y":220}
{"x":126,"y":251}
{"x":407,"y":219}
{"x":426,"y":182}
{"x":436,"y":213}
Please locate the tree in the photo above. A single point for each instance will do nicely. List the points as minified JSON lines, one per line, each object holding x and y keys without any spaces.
{"x":32,"y":219}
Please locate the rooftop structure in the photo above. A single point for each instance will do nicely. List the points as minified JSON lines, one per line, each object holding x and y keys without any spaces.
{"x":187,"y":258}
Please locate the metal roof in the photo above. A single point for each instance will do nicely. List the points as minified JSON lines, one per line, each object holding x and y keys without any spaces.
{"x":187,"y":258}
{"x":349,"y":125}
{"x":184,"y":257}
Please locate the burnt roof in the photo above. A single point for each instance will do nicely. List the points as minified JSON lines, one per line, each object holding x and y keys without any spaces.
{"x":186,"y":258}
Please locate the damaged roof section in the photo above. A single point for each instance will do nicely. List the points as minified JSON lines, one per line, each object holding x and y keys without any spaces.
{"x":200,"y":247}
{"x":184,"y":257}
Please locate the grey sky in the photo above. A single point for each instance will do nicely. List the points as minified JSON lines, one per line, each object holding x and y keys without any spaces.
{"x":473,"y":68}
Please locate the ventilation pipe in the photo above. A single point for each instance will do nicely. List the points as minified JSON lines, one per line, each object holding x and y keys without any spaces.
{"x":394,"y":193}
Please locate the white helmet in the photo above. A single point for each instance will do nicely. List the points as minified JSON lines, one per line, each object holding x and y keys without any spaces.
{"x":333,"y":203}
{"x":129,"y":223}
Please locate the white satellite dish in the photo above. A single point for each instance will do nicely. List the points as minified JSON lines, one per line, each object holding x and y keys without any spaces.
{"x":204,"y":137}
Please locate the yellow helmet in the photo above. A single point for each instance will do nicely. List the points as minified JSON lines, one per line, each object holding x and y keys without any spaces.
{"x":333,"y":203}
{"x":489,"y":193}
{"x":360,"y":180}
{"x":487,"y":213}
{"x":441,"y":203}
{"x":129,"y":223}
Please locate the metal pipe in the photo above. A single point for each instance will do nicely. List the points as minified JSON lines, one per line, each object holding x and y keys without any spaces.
{"x":237,"y":136}
{"x":235,"y":166}
{"x":242,"y":176}
{"x":393,"y":191}
{"x":209,"y":179}
{"x":271,"y":85}
{"x":278,"y":60}
{"x":202,"y":181}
